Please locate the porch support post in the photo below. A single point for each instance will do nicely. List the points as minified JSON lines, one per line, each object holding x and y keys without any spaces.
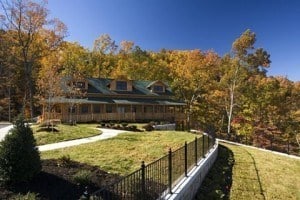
{"x":92,"y":111}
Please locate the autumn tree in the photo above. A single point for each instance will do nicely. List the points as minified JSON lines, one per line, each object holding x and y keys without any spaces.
{"x":74,"y":61}
{"x":190,"y":73}
{"x":32,"y":35}
{"x":49,"y":83}
{"x":246,"y":62}
{"x":6,"y":78}
{"x":124,"y":60}
{"x":103,"y":55}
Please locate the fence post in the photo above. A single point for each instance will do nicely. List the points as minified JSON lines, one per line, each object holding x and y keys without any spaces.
{"x":203,"y":151}
{"x":208,"y":145}
{"x":288,"y":150}
{"x":143,"y":177}
{"x":185,"y":159}
{"x":196,"y":152}
{"x":170,"y":171}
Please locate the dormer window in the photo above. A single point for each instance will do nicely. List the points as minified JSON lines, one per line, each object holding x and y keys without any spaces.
{"x":158,"y":88}
{"x":121,"y":85}
{"x":79,"y":85}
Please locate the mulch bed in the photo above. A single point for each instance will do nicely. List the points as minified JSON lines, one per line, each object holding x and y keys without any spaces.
{"x":57,"y":182}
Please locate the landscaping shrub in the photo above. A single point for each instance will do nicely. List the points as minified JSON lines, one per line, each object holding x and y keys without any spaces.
{"x":148,"y":127}
{"x":132,"y":128}
{"x":124,"y":124}
{"x":117,"y":126}
{"x":83,"y":177}
{"x":28,"y":196}
{"x":64,"y":161}
{"x":19,"y":157}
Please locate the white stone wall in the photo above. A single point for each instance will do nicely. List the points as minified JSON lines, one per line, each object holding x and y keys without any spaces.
{"x":189,"y":186}
{"x":165,"y":127}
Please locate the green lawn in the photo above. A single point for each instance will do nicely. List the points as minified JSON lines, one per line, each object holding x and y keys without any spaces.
{"x":242,"y":173}
{"x":263,"y":175}
{"x":255,"y":174}
{"x":66,"y":132}
{"x":123,"y":154}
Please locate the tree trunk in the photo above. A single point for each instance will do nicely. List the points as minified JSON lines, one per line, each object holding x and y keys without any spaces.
{"x":231,"y":106}
{"x":230,"y":112}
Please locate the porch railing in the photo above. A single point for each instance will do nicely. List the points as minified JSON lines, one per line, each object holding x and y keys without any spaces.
{"x":66,"y":117}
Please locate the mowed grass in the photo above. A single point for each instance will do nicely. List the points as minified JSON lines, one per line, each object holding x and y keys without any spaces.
{"x":66,"y":132}
{"x":124,"y":153}
{"x":262,"y":175}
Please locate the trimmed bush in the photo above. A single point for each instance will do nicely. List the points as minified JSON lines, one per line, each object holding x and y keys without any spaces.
{"x":19,"y":157}
{"x":64,"y":161}
{"x":148,"y":127}
{"x":83,"y":177}
{"x":132,"y":128}
{"x":124,"y":124}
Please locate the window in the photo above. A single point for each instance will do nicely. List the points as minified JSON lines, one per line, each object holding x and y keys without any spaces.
{"x":148,"y":109}
{"x":170,"y":109}
{"x":121,"y":85}
{"x":79,"y":84}
{"x":158,"y":109}
{"x":57,"y":109}
{"x":72,"y":109}
{"x":108,"y":108}
{"x":96,"y":108}
{"x":120,"y":110}
{"x":158,"y":88}
{"x":133,"y":109}
{"x":84,"y":109}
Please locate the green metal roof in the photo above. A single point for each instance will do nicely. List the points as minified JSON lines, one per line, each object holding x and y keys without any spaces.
{"x":65,"y":100}
{"x":139,"y":87}
{"x":99,"y":93}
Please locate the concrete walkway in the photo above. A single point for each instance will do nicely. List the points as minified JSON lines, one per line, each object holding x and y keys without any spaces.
{"x":106,"y":133}
{"x":4,"y":130}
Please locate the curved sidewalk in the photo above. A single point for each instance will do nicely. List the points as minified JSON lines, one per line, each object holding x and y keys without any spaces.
{"x":106,"y":133}
{"x":4,"y":130}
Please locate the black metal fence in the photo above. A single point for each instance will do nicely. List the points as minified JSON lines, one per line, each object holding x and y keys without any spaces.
{"x":158,"y":178}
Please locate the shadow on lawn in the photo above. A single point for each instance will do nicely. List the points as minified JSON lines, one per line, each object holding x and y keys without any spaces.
{"x":217,"y":183}
{"x":257,"y":174}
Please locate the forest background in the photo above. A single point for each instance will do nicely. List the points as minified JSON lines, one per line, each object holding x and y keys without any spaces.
{"x":229,"y":95}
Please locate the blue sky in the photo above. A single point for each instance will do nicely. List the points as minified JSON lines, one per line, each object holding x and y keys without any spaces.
{"x":189,"y":24}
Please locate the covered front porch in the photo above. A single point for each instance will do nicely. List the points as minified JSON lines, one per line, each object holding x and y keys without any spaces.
{"x":121,"y":111}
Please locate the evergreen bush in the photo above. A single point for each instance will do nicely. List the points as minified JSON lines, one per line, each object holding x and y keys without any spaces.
{"x":148,"y":127}
{"x":19,"y":157}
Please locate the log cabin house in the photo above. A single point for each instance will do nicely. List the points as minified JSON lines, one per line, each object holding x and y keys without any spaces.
{"x":100,"y":99}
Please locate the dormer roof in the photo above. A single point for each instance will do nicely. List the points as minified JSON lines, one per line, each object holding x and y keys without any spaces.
{"x":157,"y":82}
{"x":139,"y":87}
